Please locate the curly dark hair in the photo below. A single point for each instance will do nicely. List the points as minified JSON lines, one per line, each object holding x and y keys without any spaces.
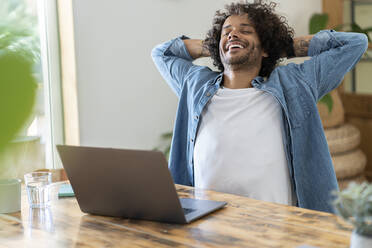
{"x":275,"y":36}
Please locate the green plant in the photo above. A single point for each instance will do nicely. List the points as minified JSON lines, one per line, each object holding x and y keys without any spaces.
{"x":19,"y":53}
{"x":18,"y":30}
{"x":319,"y":22}
{"x":166,"y":139}
{"x":354,"y":205}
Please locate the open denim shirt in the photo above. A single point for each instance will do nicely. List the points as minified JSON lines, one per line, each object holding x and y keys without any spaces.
{"x":296,"y":87}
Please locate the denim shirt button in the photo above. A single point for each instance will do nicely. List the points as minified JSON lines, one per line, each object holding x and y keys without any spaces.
{"x":196,"y":117}
{"x":192,"y":140}
{"x":208,"y":94}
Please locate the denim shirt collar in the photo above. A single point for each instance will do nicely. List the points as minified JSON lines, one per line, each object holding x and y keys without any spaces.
{"x":256,"y":81}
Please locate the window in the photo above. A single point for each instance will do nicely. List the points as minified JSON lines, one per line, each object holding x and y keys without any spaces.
{"x":34,"y":146}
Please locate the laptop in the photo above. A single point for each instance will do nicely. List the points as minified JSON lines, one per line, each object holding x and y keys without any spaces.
{"x":132,"y":184}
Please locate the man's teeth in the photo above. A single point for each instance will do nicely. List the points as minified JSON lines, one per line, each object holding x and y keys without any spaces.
{"x":235,"y":46}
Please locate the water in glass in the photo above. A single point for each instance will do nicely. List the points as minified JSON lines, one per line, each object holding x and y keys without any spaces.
{"x":38,"y":194}
{"x":37,"y":185}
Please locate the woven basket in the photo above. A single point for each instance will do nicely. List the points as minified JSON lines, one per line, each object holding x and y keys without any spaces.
{"x":349,"y":164}
{"x":343,"y":138}
{"x":342,"y":184}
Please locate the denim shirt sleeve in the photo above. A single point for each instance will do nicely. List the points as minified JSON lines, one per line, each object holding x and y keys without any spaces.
{"x":173,"y":62}
{"x":333,"y":55}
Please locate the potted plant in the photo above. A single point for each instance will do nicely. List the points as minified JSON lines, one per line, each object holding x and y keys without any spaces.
{"x":354,"y":205}
{"x":18,"y":56}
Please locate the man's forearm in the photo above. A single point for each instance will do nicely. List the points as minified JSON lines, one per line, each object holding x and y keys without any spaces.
{"x":301,"y":45}
{"x":196,"y":48}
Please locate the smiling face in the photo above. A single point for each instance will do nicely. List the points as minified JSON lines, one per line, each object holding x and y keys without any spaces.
{"x":239,"y":45}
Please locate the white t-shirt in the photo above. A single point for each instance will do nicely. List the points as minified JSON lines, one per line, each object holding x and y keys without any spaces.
{"x":239,"y":146}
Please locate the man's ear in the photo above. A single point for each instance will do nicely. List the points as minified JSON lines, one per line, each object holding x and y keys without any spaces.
{"x":264,"y":54}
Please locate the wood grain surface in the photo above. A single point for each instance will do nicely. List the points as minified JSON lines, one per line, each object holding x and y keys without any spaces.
{"x":243,"y":222}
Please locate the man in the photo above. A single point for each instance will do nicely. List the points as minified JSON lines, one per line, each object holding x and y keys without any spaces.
{"x":253,"y":129}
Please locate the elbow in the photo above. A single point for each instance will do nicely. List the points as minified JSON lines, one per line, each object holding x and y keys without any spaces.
{"x":363,"y":42}
{"x":155,"y":52}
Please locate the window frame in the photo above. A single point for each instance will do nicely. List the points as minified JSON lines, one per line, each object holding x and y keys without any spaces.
{"x":51,"y":74}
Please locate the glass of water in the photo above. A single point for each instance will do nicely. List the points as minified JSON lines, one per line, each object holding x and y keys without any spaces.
{"x":38,"y":186}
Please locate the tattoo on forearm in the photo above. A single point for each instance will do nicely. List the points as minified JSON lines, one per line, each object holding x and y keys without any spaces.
{"x":301,"y":47}
{"x":204,"y":50}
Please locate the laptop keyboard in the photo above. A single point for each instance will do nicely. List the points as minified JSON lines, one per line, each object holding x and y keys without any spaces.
{"x":188,"y":210}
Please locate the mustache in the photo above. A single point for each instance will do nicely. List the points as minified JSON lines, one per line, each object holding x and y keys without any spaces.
{"x":245,"y":43}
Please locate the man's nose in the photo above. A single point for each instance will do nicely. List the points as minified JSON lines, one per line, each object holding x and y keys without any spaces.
{"x":232,"y":35}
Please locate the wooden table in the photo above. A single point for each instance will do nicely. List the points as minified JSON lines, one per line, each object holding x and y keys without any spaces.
{"x":243,"y":222}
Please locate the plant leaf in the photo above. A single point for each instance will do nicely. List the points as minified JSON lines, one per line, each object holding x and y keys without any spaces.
{"x":318,"y":22}
{"x":327,"y":100}
{"x":17,"y":94}
{"x":356,"y":28}
{"x":369,"y":29}
{"x":354,"y":204}
{"x":167,"y":136}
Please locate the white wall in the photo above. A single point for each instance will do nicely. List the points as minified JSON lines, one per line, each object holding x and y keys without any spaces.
{"x":298,"y":13}
{"x":123,"y":101}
